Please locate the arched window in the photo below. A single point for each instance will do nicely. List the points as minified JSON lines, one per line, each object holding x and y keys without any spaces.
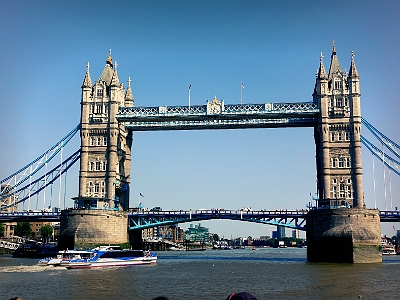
{"x":98,"y":165}
{"x":341,"y":162}
{"x":348,"y":165}
{"x":91,"y":166}
{"x":332,"y":136}
{"x":334,"y":162}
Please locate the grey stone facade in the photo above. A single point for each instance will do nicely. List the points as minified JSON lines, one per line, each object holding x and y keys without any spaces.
{"x":337,"y":136}
{"x":104,"y":176}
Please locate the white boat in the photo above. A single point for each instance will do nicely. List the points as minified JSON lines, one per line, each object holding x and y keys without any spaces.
{"x":107,"y":256}
{"x":173,"y":248}
{"x":389,"y":250}
{"x":65,"y":255}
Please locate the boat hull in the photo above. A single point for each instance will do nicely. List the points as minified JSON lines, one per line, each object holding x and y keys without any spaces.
{"x":111,"y":263}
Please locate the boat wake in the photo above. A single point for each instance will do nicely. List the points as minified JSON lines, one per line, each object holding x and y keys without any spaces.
{"x":27,"y":269}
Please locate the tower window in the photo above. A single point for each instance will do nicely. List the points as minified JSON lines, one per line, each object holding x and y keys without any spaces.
{"x":99,"y":93}
{"x":99,"y":108}
{"x":334,"y":162}
{"x":341,"y":162}
{"x":339,"y":102}
{"x":347,"y":136}
{"x":332,"y":136}
{"x":339,"y":136}
{"x":338,"y":85}
{"x":348,"y":163}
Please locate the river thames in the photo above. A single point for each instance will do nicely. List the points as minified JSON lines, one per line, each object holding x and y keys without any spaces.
{"x":212,"y":274}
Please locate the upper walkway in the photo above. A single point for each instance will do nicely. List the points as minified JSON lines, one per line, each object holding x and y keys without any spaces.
{"x":217,"y":115}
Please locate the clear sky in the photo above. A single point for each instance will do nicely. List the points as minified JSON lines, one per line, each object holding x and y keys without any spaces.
{"x":273,"y":47}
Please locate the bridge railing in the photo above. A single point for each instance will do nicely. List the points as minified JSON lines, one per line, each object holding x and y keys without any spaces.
{"x":200,"y":110}
{"x":219,"y":211}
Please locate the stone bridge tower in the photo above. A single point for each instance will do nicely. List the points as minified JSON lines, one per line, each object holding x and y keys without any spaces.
{"x":337,"y":136}
{"x":104,"y":175}
{"x":341,"y":229}
{"x":101,"y":208}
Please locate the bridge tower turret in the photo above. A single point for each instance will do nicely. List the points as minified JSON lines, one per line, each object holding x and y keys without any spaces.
{"x":104,"y":175}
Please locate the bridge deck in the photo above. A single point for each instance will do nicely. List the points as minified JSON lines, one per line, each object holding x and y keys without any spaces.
{"x":217,"y":115}
{"x":158,"y":218}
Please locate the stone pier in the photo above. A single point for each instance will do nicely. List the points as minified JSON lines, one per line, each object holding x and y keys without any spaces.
{"x":344,"y":236}
{"x":85,"y":228}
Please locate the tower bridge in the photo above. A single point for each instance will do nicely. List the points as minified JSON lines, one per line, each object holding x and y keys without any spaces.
{"x":340,"y":229}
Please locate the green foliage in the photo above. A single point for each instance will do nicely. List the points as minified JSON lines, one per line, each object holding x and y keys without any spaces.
{"x":215,"y":237}
{"x":46,"y":231}
{"x":2,"y":229}
{"x":23,"y":229}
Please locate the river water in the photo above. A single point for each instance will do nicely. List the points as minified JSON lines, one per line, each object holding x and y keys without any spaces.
{"x":212,"y":274}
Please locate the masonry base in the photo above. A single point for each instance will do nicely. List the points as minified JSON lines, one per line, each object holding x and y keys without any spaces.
{"x":87,"y":228}
{"x":344,"y":236}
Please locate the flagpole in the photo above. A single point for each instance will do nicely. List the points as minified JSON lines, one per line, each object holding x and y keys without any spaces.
{"x":190,"y":85}
{"x":241,"y":93}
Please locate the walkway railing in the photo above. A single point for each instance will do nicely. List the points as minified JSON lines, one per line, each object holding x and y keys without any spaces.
{"x":217,"y":115}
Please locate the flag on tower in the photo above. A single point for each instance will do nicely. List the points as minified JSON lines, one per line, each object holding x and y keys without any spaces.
{"x":141,"y":194}
{"x":190,"y":85}
{"x":242,"y":85}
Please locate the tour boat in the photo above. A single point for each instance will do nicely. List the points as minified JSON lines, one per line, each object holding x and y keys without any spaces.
{"x":109,"y":256}
{"x":64,"y":256}
{"x":388,"y":250}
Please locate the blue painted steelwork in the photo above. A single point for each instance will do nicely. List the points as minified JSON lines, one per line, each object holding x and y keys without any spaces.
{"x":148,"y":219}
{"x":39,"y":184}
{"x":217,"y":115}
{"x":390,"y":162}
{"x":30,"y":216}
{"x":390,"y":216}
{"x":16,"y":179}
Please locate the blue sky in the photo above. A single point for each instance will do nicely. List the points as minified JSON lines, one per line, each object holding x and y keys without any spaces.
{"x":273,"y":47}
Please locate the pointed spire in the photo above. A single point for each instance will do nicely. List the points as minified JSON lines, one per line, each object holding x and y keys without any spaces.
{"x":87,"y":81}
{"x":114,"y":78}
{"x":321,"y":74}
{"x":335,"y":65}
{"x":129,"y":101}
{"x":353,"y":70}
{"x":108,"y":71}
